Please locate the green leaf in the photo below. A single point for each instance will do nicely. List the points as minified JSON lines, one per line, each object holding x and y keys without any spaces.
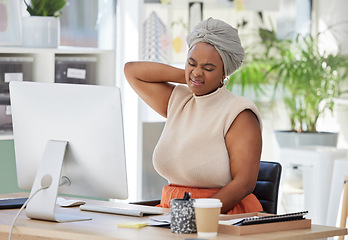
{"x":45,"y":7}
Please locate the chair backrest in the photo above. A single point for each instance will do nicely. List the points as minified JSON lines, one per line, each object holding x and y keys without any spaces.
{"x":267,"y":185}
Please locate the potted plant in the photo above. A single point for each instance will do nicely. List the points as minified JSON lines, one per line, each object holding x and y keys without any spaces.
{"x":310,"y":79}
{"x":42,"y":27}
{"x":306,"y":77}
{"x":250,"y":79}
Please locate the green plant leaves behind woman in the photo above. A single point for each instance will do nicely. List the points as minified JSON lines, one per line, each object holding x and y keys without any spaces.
{"x":45,"y":8}
{"x":310,"y":78}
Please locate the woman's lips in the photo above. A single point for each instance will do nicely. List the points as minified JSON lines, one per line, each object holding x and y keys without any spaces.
{"x":196,"y":82}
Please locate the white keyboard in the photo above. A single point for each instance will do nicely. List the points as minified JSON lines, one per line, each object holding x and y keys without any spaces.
{"x":117,"y":210}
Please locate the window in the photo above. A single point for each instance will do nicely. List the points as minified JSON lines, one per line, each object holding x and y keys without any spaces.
{"x":86,"y":23}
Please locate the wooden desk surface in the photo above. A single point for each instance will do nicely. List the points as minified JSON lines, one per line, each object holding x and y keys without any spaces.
{"x":104,"y":227}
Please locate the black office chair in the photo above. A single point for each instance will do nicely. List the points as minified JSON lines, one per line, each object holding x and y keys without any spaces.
{"x":266,"y":189}
{"x":267,"y":185}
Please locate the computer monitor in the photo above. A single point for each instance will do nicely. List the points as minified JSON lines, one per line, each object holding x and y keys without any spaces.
{"x":67,"y":133}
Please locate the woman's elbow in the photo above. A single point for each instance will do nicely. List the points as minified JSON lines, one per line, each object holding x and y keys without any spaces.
{"x":127,"y":67}
{"x":129,"y":71}
{"x":249,"y":186}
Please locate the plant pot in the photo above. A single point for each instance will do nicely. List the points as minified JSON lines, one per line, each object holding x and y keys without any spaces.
{"x":42,"y":32}
{"x":288,"y":139}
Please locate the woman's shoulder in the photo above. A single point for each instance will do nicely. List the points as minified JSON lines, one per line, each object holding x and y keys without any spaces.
{"x":180,"y":95}
{"x":238,"y":104}
{"x":181,"y":92}
{"x":233,"y":99}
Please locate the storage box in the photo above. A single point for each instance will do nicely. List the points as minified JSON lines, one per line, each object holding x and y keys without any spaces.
{"x":5,"y":118}
{"x":261,"y":228}
{"x":77,"y":70}
{"x":14,"y":69}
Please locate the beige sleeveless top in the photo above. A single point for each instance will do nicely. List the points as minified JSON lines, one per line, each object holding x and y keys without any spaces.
{"x":191,"y":150}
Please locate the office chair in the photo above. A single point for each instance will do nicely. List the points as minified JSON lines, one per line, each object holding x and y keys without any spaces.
{"x":266,"y":189}
{"x":267,"y":185}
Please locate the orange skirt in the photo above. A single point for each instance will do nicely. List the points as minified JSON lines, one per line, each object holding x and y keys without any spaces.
{"x":249,"y":204}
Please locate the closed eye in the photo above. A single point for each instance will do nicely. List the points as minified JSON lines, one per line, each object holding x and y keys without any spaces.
{"x":191,"y":62}
{"x":207,"y":66}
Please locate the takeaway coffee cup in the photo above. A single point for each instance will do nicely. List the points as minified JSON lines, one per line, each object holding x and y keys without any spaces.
{"x":207,"y":211}
{"x":182,"y":216}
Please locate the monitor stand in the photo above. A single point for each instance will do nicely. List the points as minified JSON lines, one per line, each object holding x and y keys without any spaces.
{"x":42,"y":206}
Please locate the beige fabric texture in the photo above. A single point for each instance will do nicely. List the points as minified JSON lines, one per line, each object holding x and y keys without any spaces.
{"x":191,"y":150}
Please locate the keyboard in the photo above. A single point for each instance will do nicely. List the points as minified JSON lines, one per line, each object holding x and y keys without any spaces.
{"x":12,"y":203}
{"x":117,"y":210}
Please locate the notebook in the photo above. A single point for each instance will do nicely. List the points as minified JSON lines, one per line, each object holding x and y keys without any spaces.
{"x":12,"y":203}
{"x":271,"y":219}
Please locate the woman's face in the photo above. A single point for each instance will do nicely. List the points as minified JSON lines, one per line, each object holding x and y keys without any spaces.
{"x":204,"y":70}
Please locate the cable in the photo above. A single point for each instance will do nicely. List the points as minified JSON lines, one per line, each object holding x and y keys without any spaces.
{"x":21,"y":209}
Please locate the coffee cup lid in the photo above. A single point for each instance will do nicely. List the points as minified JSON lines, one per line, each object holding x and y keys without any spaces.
{"x":207,"y":203}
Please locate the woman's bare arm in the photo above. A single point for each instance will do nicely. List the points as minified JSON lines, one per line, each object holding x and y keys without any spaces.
{"x":244,"y":145}
{"x":151,"y":81}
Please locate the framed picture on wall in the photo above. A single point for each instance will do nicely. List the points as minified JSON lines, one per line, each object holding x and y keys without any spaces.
{"x":10,"y":23}
{"x":195,"y":14}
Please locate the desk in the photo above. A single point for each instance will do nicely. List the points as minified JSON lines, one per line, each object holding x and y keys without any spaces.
{"x":104,"y":227}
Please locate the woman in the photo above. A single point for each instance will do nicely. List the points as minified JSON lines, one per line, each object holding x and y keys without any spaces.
{"x":211,"y":143}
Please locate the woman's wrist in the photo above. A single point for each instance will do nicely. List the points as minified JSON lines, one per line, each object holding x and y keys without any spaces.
{"x":172,"y":74}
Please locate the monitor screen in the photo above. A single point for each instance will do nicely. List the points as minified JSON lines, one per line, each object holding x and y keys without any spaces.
{"x":88,"y":118}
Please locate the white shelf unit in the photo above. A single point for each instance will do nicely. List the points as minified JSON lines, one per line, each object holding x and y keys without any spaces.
{"x":44,"y":61}
{"x":44,"y":65}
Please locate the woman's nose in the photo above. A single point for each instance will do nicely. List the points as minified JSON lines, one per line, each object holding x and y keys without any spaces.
{"x":196,"y":72}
